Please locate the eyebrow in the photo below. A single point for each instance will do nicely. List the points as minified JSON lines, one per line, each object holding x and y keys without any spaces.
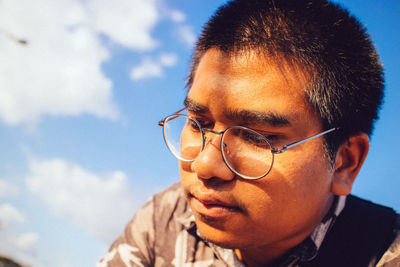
{"x":242,"y":116}
{"x":257,"y":117}
{"x":195,"y":107}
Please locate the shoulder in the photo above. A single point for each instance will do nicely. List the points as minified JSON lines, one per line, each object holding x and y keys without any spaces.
{"x":391,"y":258}
{"x":162,"y":203}
{"x":361,"y":234}
{"x":161,"y":206}
{"x":164,"y":208}
{"x":171,"y":214}
{"x":169,"y":199}
{"x":157,"y":222}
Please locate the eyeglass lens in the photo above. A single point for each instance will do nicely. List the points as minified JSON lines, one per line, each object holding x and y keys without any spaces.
{"x":245,"y":151}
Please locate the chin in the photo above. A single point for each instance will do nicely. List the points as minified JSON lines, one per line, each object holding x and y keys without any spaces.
{"x":219,"y":236}
{"x":221,"y":242}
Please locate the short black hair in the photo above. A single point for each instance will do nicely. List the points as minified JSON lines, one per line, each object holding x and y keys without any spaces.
{"x":346,"y":76}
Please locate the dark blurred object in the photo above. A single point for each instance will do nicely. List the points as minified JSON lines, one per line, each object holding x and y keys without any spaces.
{"x":23,"y":42}
{"x":15,"y":39}
{"x":6,"y":262}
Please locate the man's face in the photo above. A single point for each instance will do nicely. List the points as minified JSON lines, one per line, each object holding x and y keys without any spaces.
{"x":282,"y":208}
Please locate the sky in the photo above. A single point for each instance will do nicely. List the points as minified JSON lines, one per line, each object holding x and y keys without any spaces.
{"x":80,"y":100}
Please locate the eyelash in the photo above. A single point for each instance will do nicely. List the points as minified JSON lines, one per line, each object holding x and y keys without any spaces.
{"x":204,"y":123}
{"x":207,"y":124}
{"x":272,"y":137}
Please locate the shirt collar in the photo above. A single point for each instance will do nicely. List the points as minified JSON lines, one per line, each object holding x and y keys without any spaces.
{"x":308,"y":249}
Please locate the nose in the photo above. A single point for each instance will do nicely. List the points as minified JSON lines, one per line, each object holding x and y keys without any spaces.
{"x":210,"y":164}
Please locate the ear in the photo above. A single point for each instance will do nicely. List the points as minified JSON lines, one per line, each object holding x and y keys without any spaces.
{"x":349,"y":159}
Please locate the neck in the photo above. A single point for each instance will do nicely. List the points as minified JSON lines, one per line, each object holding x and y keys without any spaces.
{"x":270,"y":255}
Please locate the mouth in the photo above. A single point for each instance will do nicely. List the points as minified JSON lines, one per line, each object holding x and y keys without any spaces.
{"x":211,"y":206}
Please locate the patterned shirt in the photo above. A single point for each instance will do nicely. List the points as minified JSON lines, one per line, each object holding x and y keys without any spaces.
{"x":164,"y":233}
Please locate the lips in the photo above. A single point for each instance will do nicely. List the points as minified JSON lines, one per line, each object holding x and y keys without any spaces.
{"x":212,"y":205}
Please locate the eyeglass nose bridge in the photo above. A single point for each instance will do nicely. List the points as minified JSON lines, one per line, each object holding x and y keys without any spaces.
{"x":204,"y":130}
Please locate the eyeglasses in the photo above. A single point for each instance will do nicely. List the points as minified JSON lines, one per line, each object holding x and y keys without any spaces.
{"x":246,"y":152}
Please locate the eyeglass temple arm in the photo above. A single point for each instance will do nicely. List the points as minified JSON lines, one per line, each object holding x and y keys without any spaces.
{"x":161,"y":122}
{"x":278,"y":151}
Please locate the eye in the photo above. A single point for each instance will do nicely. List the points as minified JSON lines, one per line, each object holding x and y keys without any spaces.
{"x":251,"y":137}
{"x":272,"y":137}
{"x":192,"y":124}
{"x":204,"y":123}
{"x":246,"y":137}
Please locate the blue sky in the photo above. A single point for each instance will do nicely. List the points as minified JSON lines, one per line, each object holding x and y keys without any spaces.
{"x":79,"y":106}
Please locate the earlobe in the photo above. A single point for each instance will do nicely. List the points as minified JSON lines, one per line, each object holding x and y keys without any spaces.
{"x":349,"y":159}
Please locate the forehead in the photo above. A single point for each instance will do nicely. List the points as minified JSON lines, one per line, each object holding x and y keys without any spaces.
{"x":250,"y":81}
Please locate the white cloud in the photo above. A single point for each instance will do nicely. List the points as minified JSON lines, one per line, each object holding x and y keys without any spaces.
{"x":10,"y":215}
{"x":150,"y":68}
{"x":187,"y":35}
{"x":13,"y":242}
{"x":126,"y":22}
{"x":7,"y":189}
{"x":183,"y":30}
{"x":25,"y":241}
{"x":58,"y":72}
{"x":100,"y":204}
{"x":177,"y":16}
{"x":146,"y":69}
{"x":19,"y":246}
{"x":168,"y":59}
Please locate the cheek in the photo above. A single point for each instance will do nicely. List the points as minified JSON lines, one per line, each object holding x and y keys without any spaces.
{"x":184,"y":171}
{"x":185,"y":167}
{"x":305,"y":170}
{"x":188,"y":177}
{"x":294,"y":191}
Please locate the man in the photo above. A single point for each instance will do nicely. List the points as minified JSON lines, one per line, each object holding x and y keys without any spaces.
{"x":282,"y":97}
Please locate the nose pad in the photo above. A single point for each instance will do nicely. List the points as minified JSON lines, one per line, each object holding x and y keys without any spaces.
{"x":209,"y":141}
{"x":209,"y":163}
